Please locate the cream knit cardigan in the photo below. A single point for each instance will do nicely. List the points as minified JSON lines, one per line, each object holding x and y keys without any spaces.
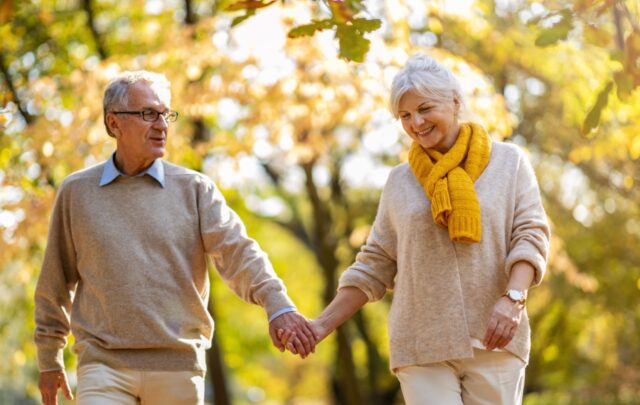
{"x":444,"y":292}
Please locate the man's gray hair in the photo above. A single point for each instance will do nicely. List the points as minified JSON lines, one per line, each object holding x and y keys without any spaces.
{"x":428,"y":78}
{"x":116,"y":95}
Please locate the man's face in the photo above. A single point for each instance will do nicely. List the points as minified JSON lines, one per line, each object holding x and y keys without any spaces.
{"x":139,"y":141}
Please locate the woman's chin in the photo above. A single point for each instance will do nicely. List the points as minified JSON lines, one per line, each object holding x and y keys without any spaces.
{"x":424,"y":142}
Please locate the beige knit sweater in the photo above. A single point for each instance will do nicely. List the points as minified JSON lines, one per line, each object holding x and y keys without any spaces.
{"x":444,"y":292}
{"x":125,"y":270}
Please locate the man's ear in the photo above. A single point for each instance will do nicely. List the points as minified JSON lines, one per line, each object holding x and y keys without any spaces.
{"x":112,"y":123}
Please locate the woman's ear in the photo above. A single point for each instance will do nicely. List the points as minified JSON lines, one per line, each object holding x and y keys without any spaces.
{"x":456,"y":105}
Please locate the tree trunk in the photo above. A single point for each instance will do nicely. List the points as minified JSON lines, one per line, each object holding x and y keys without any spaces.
{"x":88,"y":9}
{"x":216,"y":368}
{"x":14,"y":94}
{"x":189,"y":15}
{"x":217,"y":374}
{"x":345,"y":383}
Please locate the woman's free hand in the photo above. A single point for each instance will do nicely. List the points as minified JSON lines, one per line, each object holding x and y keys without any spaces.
{"x":503,"y":323}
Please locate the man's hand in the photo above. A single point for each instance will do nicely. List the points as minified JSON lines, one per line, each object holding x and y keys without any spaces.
{"x":49,"y":383}
{"x":503,"y":324}
{"x":319,"y":330}
{"x":301,"y":336}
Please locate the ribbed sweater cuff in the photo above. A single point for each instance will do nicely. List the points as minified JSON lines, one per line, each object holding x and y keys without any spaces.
{"x":50,"y":359}
{"x":276,"y":301}
{"x":463,"y":228}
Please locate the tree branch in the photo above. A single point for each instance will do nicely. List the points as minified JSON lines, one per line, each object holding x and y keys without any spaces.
{"x":617,"y":20}
{"x":14,"y":93}
{"x":295,"y":225}
{"x":623,"y":7}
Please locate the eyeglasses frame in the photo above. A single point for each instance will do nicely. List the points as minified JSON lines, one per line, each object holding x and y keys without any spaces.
{"x":165,"y":115}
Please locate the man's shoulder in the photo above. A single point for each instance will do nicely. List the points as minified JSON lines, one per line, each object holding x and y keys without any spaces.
{"x":89,"y":174}
{"x":181,"y":173}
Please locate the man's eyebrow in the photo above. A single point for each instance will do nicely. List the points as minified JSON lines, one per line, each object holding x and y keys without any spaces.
{"x":155,"y":109}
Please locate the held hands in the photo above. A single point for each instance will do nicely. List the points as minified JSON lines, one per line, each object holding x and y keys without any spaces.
{"x":49,"y":383}
{"x":288,"y":337}
{"x":346,"y":303}
{"x":301,"y":336}
{"x":503,"y":323}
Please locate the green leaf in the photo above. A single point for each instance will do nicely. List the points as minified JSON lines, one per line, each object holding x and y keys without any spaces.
{"x":624,"y":85}
{"x":310,"y":29}
{"x":365,"y":25}
{"x":557,"y":32}
{"x":306,"y":30}
{"x":243,"y":17}
{"x":248,"y":5}
{"x":552,"y":35}
{"x":593,"y":117}
{"x":353,"y":45}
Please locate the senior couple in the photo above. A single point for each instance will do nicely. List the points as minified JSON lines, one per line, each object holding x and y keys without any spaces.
{"x":460,"y":236}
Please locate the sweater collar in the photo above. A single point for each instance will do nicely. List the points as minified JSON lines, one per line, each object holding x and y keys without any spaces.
{"x":111,"y":172}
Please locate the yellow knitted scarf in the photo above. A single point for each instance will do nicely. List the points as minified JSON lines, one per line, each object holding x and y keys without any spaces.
{"x":448,"y":181}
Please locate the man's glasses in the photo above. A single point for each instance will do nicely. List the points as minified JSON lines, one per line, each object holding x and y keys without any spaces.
{"x":151,"y":115}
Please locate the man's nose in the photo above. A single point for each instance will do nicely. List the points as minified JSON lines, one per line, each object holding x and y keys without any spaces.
{"x":161,"y":122}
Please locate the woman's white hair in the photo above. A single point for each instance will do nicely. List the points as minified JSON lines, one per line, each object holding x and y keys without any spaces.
{"x":116,"y":95}
{"x":428,"y":78}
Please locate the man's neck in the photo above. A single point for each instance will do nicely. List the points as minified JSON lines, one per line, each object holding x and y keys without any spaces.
{"x":130,"y":167}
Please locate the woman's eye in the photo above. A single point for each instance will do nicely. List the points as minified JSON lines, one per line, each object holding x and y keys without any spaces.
{"x":405,"y":117}
{"x":424,"y":110}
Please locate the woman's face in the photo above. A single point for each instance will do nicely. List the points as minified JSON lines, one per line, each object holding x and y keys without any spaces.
{"x":433,"y":124}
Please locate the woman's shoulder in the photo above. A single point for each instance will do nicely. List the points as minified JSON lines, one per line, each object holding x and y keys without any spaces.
{"x":400,"y":173}
{"x":506,"y":151}
{"x":506,"y":148}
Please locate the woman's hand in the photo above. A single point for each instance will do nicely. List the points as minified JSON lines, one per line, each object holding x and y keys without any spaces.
{"x":503,"y":323}
{"x":288,"y":337}
{"x":293,"y":332}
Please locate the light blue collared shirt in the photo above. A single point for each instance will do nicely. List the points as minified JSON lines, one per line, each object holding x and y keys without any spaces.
{"x":111,"y":172}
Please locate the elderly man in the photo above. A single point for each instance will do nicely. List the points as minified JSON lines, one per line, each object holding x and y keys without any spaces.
{"x":125,"y":266}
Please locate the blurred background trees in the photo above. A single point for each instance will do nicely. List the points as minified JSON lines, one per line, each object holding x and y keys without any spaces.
{"x":301,"y":141}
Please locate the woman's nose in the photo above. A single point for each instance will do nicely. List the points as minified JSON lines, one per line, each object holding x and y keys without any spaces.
{"x":417,"y":120}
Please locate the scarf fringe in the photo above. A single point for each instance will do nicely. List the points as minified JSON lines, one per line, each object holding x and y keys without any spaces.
{"x":441,"y":203}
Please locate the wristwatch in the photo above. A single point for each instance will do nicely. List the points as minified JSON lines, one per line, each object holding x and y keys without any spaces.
{"x":517,"y":296}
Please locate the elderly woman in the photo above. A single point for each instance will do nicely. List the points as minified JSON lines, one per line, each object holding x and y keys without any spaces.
{"x":460,"y":236}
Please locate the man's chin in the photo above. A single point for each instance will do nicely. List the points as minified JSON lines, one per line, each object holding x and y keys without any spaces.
{"x":159,"y":153}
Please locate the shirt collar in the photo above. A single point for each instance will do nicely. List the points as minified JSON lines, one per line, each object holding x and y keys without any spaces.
{"x":111,"y":172}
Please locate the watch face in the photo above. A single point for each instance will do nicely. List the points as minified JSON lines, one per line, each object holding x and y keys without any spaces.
{"x":516,"y":295}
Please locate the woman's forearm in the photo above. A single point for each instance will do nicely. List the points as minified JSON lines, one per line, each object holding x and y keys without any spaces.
{"x":522,"y":274}
{"x":347,"y":302}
